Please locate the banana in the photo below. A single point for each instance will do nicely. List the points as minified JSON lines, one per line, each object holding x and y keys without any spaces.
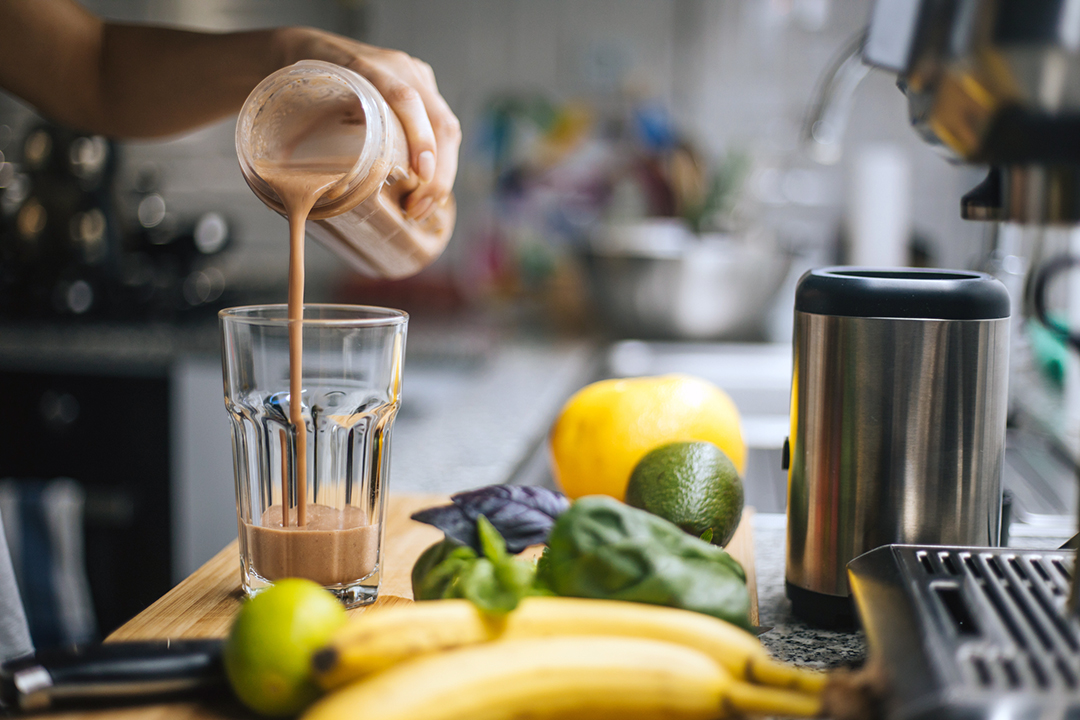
{"x":586,"y":677}
{"x":379,"y":639}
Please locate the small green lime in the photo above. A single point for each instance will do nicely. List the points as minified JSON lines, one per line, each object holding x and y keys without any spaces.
{"x":268,"y":653}
{"x":692,"y":484}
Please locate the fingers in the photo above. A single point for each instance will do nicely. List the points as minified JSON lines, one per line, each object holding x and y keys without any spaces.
{"x":447,"y":131}
{"x":408,"y":85}
{"x":404,"y":98}
{"x":431,"y":128}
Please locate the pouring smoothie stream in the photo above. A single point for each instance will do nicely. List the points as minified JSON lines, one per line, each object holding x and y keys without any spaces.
{"x":318,"y":144}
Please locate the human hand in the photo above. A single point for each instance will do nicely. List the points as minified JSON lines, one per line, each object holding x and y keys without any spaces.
{"x":408,"y":84}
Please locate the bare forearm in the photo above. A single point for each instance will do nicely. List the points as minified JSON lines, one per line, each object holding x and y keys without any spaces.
{"x":48,"y":54}
{"x":125,"y":80}
{"x":158,"y":81}
{"x":131,"y":81}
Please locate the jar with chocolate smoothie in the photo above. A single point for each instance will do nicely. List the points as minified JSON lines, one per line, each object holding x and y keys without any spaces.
{"x":319,"y":120}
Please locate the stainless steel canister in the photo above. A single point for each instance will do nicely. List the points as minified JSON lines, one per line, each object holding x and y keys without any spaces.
{"x":898,"y":408}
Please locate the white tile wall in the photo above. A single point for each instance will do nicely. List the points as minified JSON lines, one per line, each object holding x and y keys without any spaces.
{"x":735,"y":72}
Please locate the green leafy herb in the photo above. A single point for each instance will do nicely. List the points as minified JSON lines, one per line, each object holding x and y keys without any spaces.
{"x":495,"y":582}
{"x":438,"y":568}
{"x":707,"y":535}
{"x":601,"y":548}
{"x":522,"y":514}
{"x":491,"y":542}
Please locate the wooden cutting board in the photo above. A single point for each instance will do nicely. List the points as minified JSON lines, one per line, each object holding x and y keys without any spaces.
{"x":204,"y":604}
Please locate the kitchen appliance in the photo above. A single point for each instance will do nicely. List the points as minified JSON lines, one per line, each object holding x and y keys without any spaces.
{"x":970,"y":632}
{"x":978,"y":632}
{"x":67,"y":251}
{"x":109,"y":432}
{"x":993,"y":82}
{"x":59,"y":243}
{"x":899,"y":396}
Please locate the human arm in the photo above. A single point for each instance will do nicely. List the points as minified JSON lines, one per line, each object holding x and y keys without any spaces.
{"x":136,"y":81}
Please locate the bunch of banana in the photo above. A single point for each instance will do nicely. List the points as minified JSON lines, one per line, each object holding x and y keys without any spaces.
{"x":569,"y":678}
{"x":554,"y":657}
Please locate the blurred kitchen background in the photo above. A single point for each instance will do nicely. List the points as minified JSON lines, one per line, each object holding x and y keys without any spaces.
{"x":634,"y":197}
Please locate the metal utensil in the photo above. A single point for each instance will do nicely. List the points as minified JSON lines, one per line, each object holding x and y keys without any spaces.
{"x":112,"y":673}
{"x":970,"y":632}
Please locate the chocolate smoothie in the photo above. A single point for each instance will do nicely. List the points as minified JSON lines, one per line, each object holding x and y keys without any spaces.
{"x":335,"y":547}
{"x":317,"y":142}
{"x":299,"y":185}
{"x":328,"y":545}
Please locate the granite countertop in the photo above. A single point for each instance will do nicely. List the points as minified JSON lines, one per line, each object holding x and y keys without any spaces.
{"x":793,"y":640}
{"x":790,"y":638}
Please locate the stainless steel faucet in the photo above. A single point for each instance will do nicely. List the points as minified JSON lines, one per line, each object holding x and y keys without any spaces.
{"x":826,"y":120}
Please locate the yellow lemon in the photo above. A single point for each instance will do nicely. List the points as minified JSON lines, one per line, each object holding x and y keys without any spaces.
{"x":605,"y":429}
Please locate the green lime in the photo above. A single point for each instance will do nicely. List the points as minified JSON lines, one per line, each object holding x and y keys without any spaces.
{"x":692,"y":484}
{"x":268,"y":653}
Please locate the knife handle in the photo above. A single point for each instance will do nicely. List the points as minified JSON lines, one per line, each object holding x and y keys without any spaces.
{"x":111,"y":673}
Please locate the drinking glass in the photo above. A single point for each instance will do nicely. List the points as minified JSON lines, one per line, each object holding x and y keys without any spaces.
{"x":327,"y":526}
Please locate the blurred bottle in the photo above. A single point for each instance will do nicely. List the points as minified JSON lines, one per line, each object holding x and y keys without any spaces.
{"x":170,"y":265}
{"x":879,"y":211}
{"x":59,"y":244}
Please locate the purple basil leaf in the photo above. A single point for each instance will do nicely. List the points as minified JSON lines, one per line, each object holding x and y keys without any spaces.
{"x":523,"y":515}
{"x":453,"y":521}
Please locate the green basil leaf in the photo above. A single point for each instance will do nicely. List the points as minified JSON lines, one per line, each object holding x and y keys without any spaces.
{"x":482,"y":585}
{"x":438,"y":568}
{"x":491,"y":542}
{"x":602,"y":548}
{"x":515,"y":575}
{"x":543,"y":570}
{"x":495,"y":583}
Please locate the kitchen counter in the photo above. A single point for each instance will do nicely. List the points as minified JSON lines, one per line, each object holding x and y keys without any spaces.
{"x":477,"y":406}
{"x":793,"y":640}
{"x":204,"y":604}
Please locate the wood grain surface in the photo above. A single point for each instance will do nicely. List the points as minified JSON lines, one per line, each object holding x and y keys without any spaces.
{"x":204,"y":604}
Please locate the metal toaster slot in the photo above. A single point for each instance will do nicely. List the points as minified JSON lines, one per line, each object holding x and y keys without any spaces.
{"x":964,"y":628}
{"x":953,"y":601}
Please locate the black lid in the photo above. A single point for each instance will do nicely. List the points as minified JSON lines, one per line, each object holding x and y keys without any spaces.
{"x":902,"y":293}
